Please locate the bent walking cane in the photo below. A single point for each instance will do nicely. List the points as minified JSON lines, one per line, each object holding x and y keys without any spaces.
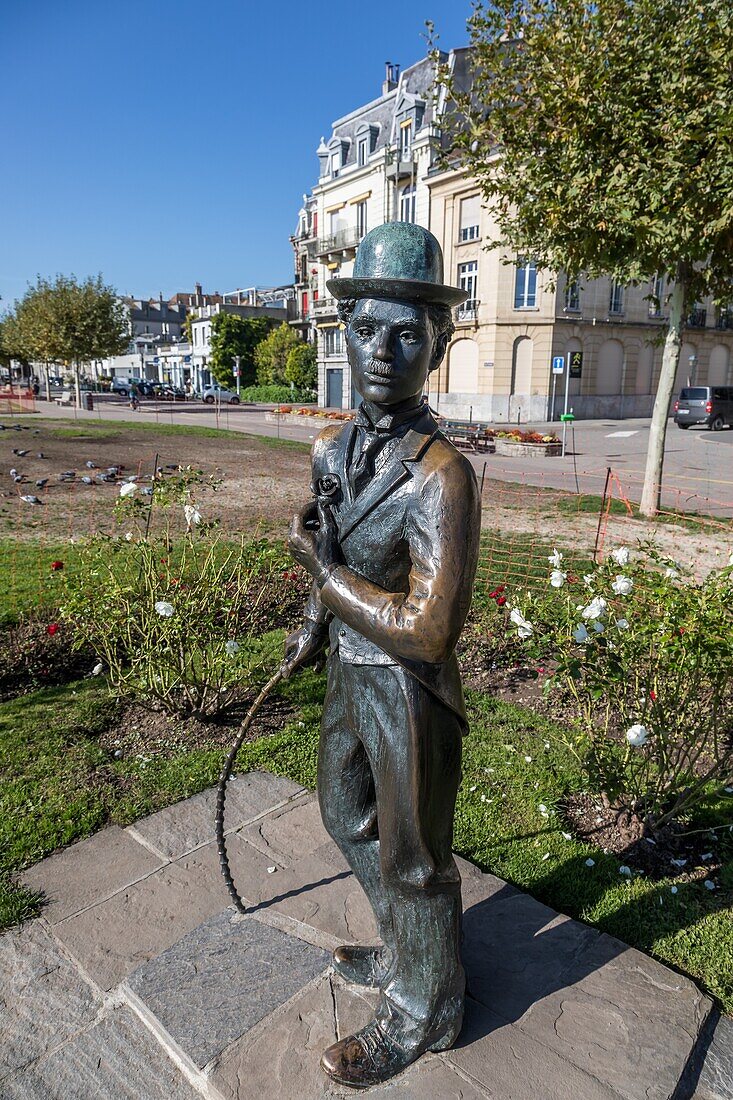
{"x":221,"y":790}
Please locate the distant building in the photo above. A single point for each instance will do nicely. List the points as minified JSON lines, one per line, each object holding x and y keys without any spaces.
{"x":381,"y":163}
{"x":279,"y":311}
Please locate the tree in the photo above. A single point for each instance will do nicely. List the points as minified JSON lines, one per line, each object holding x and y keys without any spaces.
{"x":599,"y":131}
{"x":72,"y":322}
{"x":272,"y":355}
{"x":301,"y":368}
{"x":230,"y":336}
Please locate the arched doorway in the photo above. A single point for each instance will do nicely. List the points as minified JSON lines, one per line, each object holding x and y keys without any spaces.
{"x":521,"y":366}
{"x":644,"y":369}
{"x":686,"y":370}
{"x":609,"y":375}
{"x":463,"y":367}
{"x":719,"y":369}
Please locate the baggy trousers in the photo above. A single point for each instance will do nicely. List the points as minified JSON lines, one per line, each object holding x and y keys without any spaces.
{"x":389,"y":768}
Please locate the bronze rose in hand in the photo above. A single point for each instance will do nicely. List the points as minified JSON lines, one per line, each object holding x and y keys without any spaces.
{"x":314,"y":540}
{"x":327,"y":489}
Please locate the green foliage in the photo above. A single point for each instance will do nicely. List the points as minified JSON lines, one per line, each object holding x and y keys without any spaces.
{"x":171,"y":616}
{"x":644,"y":659}
{"x":598,"y":130}
{"x":275,"y":394}
{"x":232,"y":335}
{"x":301,"y":367}
{"x":271,"y":355}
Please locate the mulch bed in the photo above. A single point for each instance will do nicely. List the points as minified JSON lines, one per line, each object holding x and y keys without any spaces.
{"x":587,"y":817}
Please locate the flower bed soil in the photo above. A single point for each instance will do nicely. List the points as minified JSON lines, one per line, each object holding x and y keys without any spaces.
{"x":590,"y":820}
{"x":35,"y":654}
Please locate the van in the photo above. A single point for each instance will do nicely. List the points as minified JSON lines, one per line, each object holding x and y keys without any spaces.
{"x":709,"y":405}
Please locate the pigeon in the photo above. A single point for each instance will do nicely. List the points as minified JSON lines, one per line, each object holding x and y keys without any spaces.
{"x":13,"y":471}
{"x":42,"y":483}
{"x":115,"y":469}
{"x":30,"y":499}
{"x":88,"y":480}
{"x":90,"y":465}
{"x":108,"y":478}
{"x":68,"y":473}
{"x":40,"y":455}
{"x":17,"y":478}
{"x":19,"y":452}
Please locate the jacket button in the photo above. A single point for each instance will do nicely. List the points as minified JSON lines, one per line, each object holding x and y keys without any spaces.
{"x":342,"y":633}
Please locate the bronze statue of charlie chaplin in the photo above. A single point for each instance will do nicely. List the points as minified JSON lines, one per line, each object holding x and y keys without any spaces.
{"x":391,"y":542}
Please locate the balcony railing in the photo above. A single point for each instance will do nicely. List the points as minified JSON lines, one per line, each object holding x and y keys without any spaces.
{"x":467,"y":312}
{"x":345,"y":240}
{"x":696,"y":318}
{"x":724,"y":319}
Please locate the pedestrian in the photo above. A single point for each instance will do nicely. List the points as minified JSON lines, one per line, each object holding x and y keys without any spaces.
{"x":134,"y":399}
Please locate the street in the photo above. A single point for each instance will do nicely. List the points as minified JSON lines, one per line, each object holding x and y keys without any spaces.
{"x":698,"y":470}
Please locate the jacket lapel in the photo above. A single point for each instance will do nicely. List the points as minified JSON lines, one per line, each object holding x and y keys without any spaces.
{"x":395,"y":471}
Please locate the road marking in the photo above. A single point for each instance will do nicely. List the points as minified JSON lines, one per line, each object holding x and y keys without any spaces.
{"x":621,"y":435}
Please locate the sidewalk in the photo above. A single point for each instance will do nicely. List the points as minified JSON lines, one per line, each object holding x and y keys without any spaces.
{"x":140,"y":981}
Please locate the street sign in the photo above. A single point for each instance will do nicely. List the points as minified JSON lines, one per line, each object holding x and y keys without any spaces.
{"x":236,"y":372}
{"x":575,"y":363}
{"x":558,"y":364}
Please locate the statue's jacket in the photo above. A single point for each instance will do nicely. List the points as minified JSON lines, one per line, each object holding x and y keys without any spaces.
{"x":409,"y":542}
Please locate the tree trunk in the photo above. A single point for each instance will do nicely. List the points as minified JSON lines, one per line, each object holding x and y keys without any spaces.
{"x":651,"y":493}
{"x":77,"y":384}
{"x":48,"y":383}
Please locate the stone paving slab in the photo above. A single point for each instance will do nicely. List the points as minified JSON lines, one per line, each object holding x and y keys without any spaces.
{"x":136,"y":924}
{"x":118,"y":1059}
{"x":716,"y":1078}
{"x":179,"y":829}
{"x":44,"y":1001}
{"x":627,"y":1019}
{"x":89,"y":872}
{"x":221,"y":979}
{"x":557,"y":1011}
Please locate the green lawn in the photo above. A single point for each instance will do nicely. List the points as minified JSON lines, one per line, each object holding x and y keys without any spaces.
{"x":114,"y":427}
{"x":61,"y":786}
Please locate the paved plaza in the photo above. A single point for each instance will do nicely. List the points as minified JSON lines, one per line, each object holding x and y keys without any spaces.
{"x":140,"y":981}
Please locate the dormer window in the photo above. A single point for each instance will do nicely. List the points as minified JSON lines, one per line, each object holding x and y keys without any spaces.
{"x":362,"y":151}
{"x":335,"y":162}
{"x":406,"y":140}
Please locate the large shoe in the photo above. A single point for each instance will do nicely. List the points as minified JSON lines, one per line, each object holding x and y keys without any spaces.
{"x":363,"y":965}
{"x":372,"y":1055}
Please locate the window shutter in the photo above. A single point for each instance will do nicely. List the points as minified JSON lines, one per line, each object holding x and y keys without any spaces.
{"x":470,"y":210}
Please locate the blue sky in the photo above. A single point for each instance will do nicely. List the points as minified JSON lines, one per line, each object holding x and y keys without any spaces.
{"x":164,"y":144}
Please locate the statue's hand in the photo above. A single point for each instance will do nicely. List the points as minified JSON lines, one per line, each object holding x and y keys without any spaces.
{"x":303,"y":647}
{"x":314,"y":540}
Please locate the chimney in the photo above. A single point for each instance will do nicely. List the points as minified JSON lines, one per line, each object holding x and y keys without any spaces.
{"x":391,"y":77}
{"x":197,"y":291}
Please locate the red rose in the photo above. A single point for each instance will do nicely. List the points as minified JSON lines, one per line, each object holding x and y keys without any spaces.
{"x":501,"y":600}
{"x":55,"y":565}
{"x":653,"y":696}
{"x":52,"y":628}
{"x":494,"y":594}
{"x":501,"y":588}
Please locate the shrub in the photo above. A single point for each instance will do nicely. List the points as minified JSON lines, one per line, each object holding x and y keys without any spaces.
{"x":275,"y":394}
{"x":172,"y":609}
{"x":645,"y":655}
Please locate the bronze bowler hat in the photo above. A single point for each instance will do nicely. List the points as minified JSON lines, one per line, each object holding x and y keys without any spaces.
{"x":399,"y":260}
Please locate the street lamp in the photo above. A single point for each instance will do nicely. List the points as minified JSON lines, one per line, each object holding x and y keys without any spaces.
{"x":237,"y":359}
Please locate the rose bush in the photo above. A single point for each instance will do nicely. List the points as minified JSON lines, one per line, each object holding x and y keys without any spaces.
{"x":644,"y":655}
{"x":172,"y":610}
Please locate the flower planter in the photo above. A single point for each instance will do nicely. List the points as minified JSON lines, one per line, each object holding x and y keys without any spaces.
{"x":510,"y":447}
{"x":293,"y":418}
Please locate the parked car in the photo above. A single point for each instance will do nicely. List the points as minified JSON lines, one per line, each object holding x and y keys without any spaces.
{"x":146,"y":389}
{"x":709,"y":405}
{"x":122,"y":386}
{"x":166,"y":392}
{"x":219,"y":393}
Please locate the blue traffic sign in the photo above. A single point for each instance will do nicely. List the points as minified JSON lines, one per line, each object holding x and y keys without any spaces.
{"x":558,"y":364}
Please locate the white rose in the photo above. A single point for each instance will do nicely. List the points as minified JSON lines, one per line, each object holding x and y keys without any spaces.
{"x":97,"y":668}
{"x":232,"y":648}
{"x":670,"y":573}
{"x":622,"y":624}
{"x":164,"y":609}
{"x":598,"y":627}
{"x":555,"y":559}
{"x":192,"y":514}
{"x":595,"y":608}
{"x":557,"y":578}
{"x":580,"y":634}
{"x":622,"y":585}
{"x":128,"y":489}
{"x":637,"y":735}
{"x":588,"y":579}
{"x":622,"y":556}
{"x":524,"y":628}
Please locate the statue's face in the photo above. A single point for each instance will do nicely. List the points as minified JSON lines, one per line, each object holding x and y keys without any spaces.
{"x":391,"y":349}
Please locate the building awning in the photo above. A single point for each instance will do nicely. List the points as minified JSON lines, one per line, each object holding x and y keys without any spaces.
{"x":335,"y":207}
{"x":360,"y":198}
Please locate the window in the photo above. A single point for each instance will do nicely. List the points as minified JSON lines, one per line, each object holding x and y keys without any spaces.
{"x":406,"y":140}
{"x":361,"y":152}
{"x":525,"y":284}
{"x":572,"y":297}
{"x":467,"y":280}
{"x":616,"y":303}
{"x":470,"y":209}
{"x":361,"y":218}
{"x":407,"y":204}
{"x":332,"y":341}
{"x":335,"y":163}
{"x":657,"y":295}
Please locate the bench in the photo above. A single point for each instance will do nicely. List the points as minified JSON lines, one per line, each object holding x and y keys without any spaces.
{"x":65,"y":398}
{"x":463,"y":434}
